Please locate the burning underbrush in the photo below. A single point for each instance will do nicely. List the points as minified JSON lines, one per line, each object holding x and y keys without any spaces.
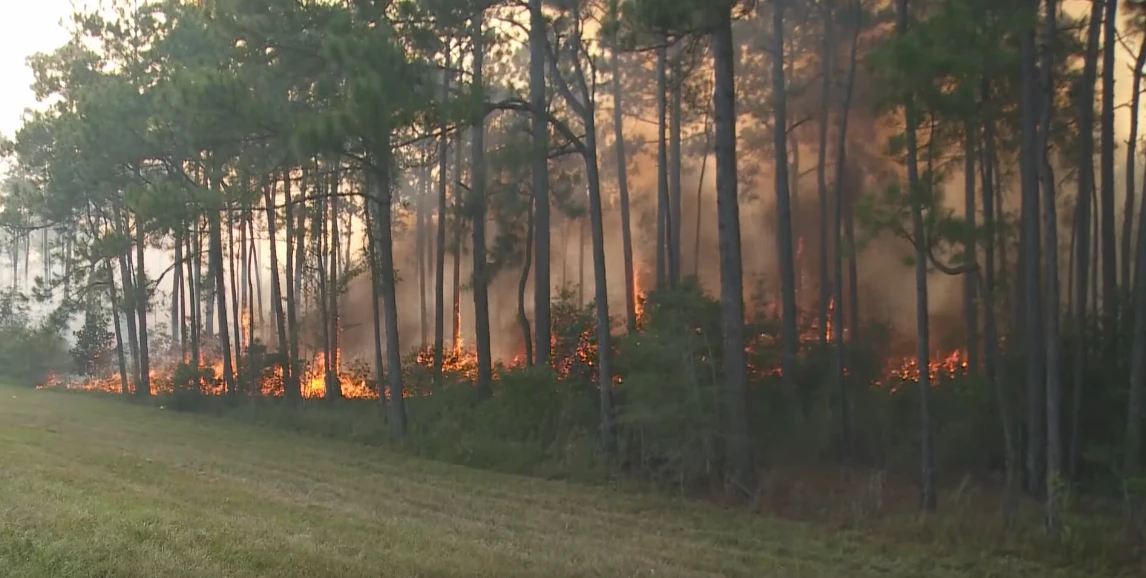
{"x":686,"y":312}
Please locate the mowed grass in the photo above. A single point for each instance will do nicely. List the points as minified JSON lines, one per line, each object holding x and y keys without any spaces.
{"x":97,"y":487}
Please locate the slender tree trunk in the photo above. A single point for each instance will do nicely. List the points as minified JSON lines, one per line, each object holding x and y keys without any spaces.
{"x":144,"y":387}
{"x":738,"y":449}
{"x":927,"y":457}
{"x":623,"y":180}
{"x":580,"y":261}
{"x":322,"y":250}
{"x":825,"y":281}
{"x":990,"y":324}
{"x":791,"y":337}
{"x":663,"y":214}
{"x":439,"y":257}
{"x":481,"y":277}
{"x":216,"y":250}
{"x":1106,"y":204}
{"x":540,"y":179}
{"x":700,"y":190}
{"x":837,"y":227}
{"x":1127,"y":252}
{"x":372,"y":243}
{"x":196,"y":300}
{"x":1031,"y":256}
{"x":1051,"y":330}
{"x":601,"y":287}
{"x":971,"y":253}
{"x":236,"y":316}
{"x":124,"y":388}
{"x":421,"y":242}
{"x":457,"y":273}
{"x":397,"y":405}
{"x":176,"y":287}
{"x":269,"y":197}
{"x":291,"y":384}
{"x":333,"y":383}
{"x":527,"y":255}
{"x":675,"y":209}
{"x":1082,"y":226}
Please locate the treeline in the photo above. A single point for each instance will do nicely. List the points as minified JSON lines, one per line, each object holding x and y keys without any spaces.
{"x":304,"y":140}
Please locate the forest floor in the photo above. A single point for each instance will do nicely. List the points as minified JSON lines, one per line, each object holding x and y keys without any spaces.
{"x":94,"y":487}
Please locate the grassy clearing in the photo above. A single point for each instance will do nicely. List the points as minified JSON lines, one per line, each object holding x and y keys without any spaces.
{"x":94,"y":487}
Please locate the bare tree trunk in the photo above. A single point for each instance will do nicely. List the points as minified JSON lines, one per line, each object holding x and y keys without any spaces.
{"x":738,"y":449}
{"x":970,"y":282}
{"x":664,"y":229}
{"x":421,"y":242}
{"x":540,"y":179}
{"x":990,"y":324}
{"x":827,"y":74}
{"x":1082,"y":226}
{"x":481,"y":277}
{"x":176,"y":287}
{"x":1031,"y":256}
{"x":216,"y":250}
{"x":291,"y":384}
{"x":236,"y":316}
{"x":1106,"y":204}
{"x":927,"y":453}
{"x":522,"y":318}
{"x":837,"y":226}
{"x":675,"y":208}
{"x":269,"y":196}
{"x":397,"y":405}
{"x":623,"y":179}
{"x":141,"y":300}
{"x":791,"y":338}
{"x":375,"y":287}
{"x":1127,"y":252}
{"x":124,"y":388}
{"x":439,"y":257}
{"x":333,"y":383}
{"x":195,"y":298}
{"x":1051,"y":330}
{"x":1132,"y":465}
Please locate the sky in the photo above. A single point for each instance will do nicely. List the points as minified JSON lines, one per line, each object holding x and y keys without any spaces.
{"x":28,"y":27}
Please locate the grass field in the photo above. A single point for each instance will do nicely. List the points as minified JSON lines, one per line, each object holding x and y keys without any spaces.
{"x":95,"y":487}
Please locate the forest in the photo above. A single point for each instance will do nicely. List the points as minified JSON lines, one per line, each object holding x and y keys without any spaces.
{"x":687,"y":243}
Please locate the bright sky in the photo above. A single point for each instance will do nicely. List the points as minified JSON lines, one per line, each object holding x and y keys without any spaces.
{"x":27,"y":27}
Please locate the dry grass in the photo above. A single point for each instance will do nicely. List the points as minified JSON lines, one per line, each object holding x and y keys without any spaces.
{"x":93,"y":487}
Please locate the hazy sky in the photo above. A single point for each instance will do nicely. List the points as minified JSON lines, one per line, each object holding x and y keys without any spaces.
{"x":28,"y":27}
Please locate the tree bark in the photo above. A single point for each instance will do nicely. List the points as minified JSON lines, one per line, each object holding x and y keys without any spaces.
{"x":675,"y":209}
{"x":439,"y":257}
{"x":827,"y":73}
{"x":477,"y":205}
{"x":663,"y":214}
{"x":397,"y":405}
{"x":1127,"y":252}
{"x":269,"y":196}
{"x":540,"y":179}
{"x":971,"y":252}
{"x":927,"y":452}
{"x":738,"y":449}
{"x":790,"y":335}
{"x":1106,"y":197}
{"x":216,"y":250}
{"x":527,"y":255}
{"x":623,"y":179}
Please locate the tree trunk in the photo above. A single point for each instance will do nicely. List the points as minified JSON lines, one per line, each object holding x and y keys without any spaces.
{"x":1106,"y":197}
{"x":372,"y":243}
{"x":276,"y":289}
{"x":196,"y":300}
{"x":291,"y":385}
{"x":421,"y":242}
{"x":523,"y":283}
{"x":176,"y":287}
{"x":990,"y":322}
{"x":1127,"y":252}
{"x":439,"y":257}
{"x":791,"y":337}
{"x":236,"y":317}
{"x":481,"y":278}
{"x":1051,"y":330}
{"x":675,"y":209}
{"x":124,"y":388}
{"x":540,"y":179}
{"x":143,"y":389}
{"x":333,"y":383}
{"x":397,"y":405}
{"x":971,"y":253}
{"x":663,"y":214}
{"x":927,"y":452}
{"x":1031,"y":256}
{"x":738,"y":449}
{"x":843,"y":424}
{"x":827,"y":73}
{"x":623,"y":179}
{"x":216,"y":249}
